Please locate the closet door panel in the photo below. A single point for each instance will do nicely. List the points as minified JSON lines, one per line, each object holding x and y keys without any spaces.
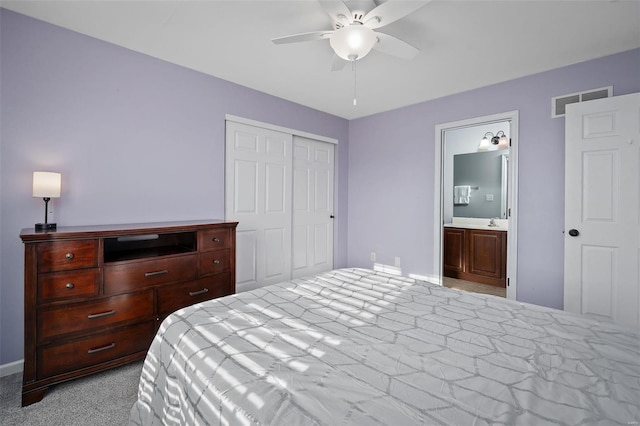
{"x":313,"y":168}
{"x":258,"y":196}
{"x":246,"y":258}
{"x":276,"y":264}
{"x":245,"y":177}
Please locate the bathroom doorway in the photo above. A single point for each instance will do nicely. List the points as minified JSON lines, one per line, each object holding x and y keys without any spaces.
{"x":461,"y":210}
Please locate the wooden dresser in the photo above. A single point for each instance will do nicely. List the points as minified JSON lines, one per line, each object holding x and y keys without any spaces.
{"x":95,"y":295}
{"x":477,"y":255}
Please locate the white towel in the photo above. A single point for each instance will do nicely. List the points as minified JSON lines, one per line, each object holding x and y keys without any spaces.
{"x":461,"y":194}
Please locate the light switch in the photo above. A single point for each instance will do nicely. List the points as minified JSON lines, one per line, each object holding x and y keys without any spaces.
{"x":489,"y":197}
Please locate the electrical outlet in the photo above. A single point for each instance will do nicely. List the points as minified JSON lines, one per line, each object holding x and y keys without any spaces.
{"x":396,"y":261}
{"x":373,"y":256}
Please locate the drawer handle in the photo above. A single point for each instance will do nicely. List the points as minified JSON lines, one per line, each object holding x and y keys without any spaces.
{"x":102,"y":348}
{"x":101,"y":314}
{"x":69,"y":256}
{"x":216,"y":240}
{"x":217,"y":262}
{"x":198,"y":293}
{"x":153,"y":274}
{"x":69,"y":286}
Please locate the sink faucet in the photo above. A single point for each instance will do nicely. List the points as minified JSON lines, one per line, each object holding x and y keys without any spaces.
{"x":492,"y":222}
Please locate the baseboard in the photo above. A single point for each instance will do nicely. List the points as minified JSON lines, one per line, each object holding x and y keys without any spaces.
{"x":11,"y":368}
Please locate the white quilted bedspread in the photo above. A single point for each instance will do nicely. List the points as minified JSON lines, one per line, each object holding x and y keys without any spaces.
{"x":360,"y":347}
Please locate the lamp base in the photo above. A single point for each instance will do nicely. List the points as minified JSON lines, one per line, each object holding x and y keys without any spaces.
{"x":45,"y":226}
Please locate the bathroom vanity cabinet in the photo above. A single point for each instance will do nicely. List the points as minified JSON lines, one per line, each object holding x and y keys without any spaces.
{"x":477,"y":255}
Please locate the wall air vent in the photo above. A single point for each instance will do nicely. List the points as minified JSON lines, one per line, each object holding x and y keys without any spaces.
{"x":559,"y":103}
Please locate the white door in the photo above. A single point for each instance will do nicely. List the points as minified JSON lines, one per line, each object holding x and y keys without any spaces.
{"x":602,"y":209}
{"x":258,"y":196}
{"x":312,"y":207}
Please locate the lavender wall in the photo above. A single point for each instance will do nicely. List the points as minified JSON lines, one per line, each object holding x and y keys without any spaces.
{"x":391,"y":178}
{"x":135,"y":138}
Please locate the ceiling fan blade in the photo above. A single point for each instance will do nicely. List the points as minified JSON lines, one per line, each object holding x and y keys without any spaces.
{"x":337,"y":10}
{"x":296,"y":38}
{"x":337,"y":63}
{"x":394,"y":46}
{"x":391,"y":11}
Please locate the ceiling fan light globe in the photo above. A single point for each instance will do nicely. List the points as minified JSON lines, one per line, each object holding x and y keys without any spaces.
{"x":353,"y":41}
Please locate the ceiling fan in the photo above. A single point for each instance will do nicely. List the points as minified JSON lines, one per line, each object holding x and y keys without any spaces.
{"x":353,"y":35}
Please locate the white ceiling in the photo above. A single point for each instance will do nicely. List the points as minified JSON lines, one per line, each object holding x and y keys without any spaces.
{"x":464,"y":44}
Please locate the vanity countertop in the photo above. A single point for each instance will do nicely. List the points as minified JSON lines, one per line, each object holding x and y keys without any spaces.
{"x":478,"y":223}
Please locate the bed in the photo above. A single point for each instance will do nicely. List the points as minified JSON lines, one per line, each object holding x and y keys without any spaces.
{"x":361,"y":347}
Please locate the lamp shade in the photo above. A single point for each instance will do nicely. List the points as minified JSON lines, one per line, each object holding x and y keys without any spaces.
{"x":46,"y":184}
{"x":353,"y":42}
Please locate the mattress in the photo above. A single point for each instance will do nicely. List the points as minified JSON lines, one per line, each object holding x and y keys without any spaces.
{"x":361,"y":347}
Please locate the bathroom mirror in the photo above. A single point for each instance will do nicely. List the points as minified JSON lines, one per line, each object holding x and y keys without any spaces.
{"x":480,"y":184}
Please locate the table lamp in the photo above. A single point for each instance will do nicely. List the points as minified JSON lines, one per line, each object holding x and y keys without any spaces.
{"x":47,"y":186}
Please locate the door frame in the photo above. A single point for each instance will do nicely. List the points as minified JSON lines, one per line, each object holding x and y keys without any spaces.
{"x":512,"y":203}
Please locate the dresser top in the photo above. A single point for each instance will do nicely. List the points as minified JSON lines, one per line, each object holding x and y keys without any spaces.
{"x":93,"y":231}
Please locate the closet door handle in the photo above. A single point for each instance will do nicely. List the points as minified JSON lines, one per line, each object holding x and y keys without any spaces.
{"x":574,"y":232}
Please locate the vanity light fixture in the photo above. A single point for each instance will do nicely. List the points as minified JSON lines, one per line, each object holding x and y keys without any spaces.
{"x":491,"y":142}
{"x":47,"y":186}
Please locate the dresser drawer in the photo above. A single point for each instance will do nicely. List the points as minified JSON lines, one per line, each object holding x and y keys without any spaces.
{"x":137,"y":275}
{"x":174,"y":297}
{"x":87,"y":316}
{"x":95,"y":349}
{"x":68,"y":285}
{"x":214,"y":239}
{"x":65,"y":255}
{"x":213,"y":262}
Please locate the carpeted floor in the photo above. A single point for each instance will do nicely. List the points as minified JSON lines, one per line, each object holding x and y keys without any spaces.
{"x":101,"y":399}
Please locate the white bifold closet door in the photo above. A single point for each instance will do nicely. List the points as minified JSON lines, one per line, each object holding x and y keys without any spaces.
{"x":312,"y":207}
{"x":279,"y":188}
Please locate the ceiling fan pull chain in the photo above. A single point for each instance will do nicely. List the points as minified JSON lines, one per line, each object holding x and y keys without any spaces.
{"x":355,"y":99}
